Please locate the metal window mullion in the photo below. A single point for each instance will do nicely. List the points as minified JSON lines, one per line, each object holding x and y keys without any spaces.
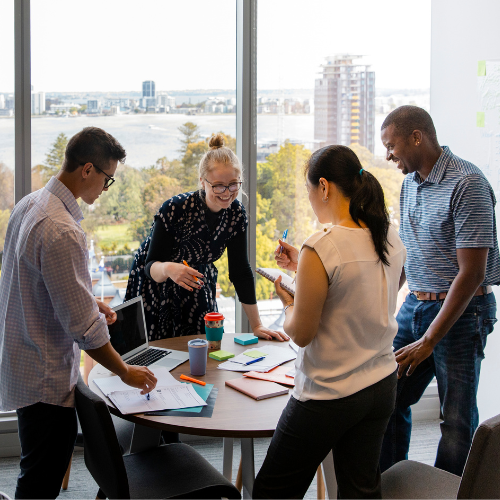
{"x":246,"y":125}
{"x":22,"y":96}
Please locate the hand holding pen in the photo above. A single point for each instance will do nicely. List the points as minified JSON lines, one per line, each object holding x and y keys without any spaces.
{"x":287,"y":258}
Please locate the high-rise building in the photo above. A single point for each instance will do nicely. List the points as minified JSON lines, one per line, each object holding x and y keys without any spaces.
{"x":37,"y":103}
{"x":93,"y":106}
{"x":344,"y":103}
{"x":148,"y":89}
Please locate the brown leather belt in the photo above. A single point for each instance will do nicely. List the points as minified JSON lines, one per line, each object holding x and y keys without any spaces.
{"x":482,"y":290}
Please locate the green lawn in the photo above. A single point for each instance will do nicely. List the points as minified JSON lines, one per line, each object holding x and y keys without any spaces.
{"x":117,"y":233}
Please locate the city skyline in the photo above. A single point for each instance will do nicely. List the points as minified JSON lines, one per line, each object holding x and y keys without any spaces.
{"x":184,"y":51}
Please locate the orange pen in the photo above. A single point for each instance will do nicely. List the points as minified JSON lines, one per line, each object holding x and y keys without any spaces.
{"x":195,"y":278}
{"x":190,"y":379}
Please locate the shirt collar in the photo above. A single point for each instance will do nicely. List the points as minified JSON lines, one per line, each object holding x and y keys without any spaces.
{"x":57,"y":188}
{"x":439,"y":168}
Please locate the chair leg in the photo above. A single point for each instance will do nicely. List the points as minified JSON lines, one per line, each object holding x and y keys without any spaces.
{"x":320,"y":484}
{"x":239,"y":478}
{"x":66,"y":476}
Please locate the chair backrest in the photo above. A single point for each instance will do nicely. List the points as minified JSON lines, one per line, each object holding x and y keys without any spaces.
{"x":102,"y":452}
{"x":481,"y":477}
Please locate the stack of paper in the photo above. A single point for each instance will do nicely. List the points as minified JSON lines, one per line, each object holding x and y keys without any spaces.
{"x":274,"y":356}
{"x":169,"y":394}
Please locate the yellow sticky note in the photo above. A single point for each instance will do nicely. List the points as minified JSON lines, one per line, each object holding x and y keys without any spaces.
{"x":480,"y":119}
{"x":255,"y":354}
{"x":481,"y":68}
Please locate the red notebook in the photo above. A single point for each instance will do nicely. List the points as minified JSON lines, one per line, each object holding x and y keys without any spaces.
{"x":257,"y":389}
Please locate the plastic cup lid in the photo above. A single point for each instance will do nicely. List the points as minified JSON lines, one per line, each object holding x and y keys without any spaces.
{"x":215,"y":316}
{"x":197,"y":343}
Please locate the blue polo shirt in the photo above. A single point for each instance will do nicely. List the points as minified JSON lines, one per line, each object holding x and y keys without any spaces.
{"x":454,"y":207}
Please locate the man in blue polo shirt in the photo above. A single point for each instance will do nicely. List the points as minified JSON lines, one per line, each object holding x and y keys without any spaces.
{"x":449,"y":230}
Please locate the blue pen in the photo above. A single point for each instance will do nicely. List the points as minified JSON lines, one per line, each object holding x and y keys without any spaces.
{"x":148,"y":397}
{"x":255,"y":360}
{"x":285,"y":235}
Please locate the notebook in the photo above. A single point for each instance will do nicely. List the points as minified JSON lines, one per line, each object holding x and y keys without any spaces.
{"x":257,"y":389}
{"x":129,"y":338}
{"x":278,"y":375}
{"x":272,"y":274}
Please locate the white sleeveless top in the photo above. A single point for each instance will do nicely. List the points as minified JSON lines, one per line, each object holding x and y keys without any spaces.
{"x":352,"y":348}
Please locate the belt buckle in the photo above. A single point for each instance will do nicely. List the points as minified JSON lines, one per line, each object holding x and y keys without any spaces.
{"x":422,"y":295}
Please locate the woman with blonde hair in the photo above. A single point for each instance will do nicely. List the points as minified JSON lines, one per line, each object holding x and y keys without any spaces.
{"x":196,"y":227}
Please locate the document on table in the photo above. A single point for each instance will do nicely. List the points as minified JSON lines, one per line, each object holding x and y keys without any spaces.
{"x":275,"y":356}
{"x":172,"y":397}
{"x":107,"y":385}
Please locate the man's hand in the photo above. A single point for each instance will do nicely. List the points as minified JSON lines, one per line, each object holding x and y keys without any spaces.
{"x":140,"y":377}
{"x":107,"y":311}
{"x":410,"y":356}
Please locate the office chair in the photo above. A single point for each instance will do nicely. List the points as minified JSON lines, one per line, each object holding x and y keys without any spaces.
{"x":481,"y":478}
{"x":170,"y":471}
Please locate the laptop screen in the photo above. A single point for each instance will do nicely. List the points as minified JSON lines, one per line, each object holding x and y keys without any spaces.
{"x":128,"y":332}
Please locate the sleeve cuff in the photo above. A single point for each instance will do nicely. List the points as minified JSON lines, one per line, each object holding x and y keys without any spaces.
{"x":96,"y":336}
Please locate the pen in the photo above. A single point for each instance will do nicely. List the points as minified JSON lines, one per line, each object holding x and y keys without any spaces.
{"x":148,"y":397}
{"x":254,"y":360}
{"x":195,"y":278}
{"x":196,"y":381}
{"x":285,"y":234}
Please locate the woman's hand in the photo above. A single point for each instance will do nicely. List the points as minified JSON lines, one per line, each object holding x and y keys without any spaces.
{"x":107,"y":311}
{"x":267,"y":334}
{"x":183,"y":275}
{"x":289,"y":257}
{"x":283,"y":295}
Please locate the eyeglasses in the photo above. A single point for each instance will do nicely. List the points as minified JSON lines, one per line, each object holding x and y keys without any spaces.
{"x":221,"y":188}
{"x":109,"y":179}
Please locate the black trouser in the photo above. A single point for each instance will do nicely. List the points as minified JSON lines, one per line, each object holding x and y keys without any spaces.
{"x":353,"y":427}
{"x":47,"y":434}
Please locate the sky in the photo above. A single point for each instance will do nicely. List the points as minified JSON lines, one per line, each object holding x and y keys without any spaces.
{"x":114,"y":45}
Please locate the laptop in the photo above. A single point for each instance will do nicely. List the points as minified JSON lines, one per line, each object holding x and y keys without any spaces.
{"x":130,"y":340}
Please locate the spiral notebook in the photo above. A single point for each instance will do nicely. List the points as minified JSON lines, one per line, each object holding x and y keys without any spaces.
{"x":271,"y":274}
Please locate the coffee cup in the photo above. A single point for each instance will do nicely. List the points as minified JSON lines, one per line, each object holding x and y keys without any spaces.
{"x":214,"y":329}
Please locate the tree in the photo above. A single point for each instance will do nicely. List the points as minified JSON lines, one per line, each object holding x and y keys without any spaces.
{"x":6,"y":187}
{"x":54,"y":158}
{"x":4,"y":221}
{"x":191,"y":133}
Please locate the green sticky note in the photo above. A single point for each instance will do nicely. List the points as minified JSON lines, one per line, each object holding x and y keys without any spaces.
{"x":481,"y":69}
{"x":255,"y":354}
{"x":221,"y":355}
{"x":480,"y":119}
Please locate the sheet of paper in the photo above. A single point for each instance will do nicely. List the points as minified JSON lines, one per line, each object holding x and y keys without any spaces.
{"x":275,"y":356}
{"x":172,"y":397}
{"x":114,"y":383}
{"x":203,"y":391}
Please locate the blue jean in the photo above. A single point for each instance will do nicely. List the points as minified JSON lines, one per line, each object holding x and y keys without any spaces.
{"x":456,"y":363}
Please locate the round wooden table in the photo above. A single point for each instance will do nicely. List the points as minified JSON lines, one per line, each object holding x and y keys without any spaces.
{"x":234,"y":415}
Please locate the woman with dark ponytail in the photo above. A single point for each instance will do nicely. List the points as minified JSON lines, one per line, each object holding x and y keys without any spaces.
{"x":342,"y":318}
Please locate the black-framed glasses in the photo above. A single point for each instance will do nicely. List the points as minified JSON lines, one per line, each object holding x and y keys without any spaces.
{"x":109,"y":179}
{"x":221,"y":188}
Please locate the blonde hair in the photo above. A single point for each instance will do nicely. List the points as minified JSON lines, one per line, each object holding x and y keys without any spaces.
{"x":218,"y":153}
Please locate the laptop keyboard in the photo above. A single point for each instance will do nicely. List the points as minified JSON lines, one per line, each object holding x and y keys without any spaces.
{"x":148,"y":357}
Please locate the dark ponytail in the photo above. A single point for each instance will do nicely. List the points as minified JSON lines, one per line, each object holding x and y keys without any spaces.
{"x":340,"y":165}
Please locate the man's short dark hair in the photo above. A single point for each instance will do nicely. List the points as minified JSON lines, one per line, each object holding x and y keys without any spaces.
{"x":92,"y":145}
{"x":406,"y":119}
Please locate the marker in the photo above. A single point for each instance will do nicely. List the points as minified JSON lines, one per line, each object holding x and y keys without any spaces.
{"x":190,"y":379}
{"x":285,"y":234}
{"x":186,"y":264}
{"x":254,"y":360}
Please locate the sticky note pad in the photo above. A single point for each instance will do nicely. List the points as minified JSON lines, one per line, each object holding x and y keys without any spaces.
{"x":480,"y":119}
{"x":255,"y":354}
{"x":481,"y":68}
{"x":221,"y":355}
{"x":246,"y":338}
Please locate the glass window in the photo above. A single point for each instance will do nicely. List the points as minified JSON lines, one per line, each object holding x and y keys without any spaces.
{"x":6,"y":117}
{"x":161,"y":79}
{"x":324,"y":67}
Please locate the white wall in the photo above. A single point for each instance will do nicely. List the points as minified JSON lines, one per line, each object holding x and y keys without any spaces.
{"x":463,"y":33}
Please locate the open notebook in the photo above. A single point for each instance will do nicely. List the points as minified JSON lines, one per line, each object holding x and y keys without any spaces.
{"x":272,"y":274}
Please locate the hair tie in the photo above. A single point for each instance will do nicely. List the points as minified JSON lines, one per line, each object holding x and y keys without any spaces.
{"x":361,"y":171}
